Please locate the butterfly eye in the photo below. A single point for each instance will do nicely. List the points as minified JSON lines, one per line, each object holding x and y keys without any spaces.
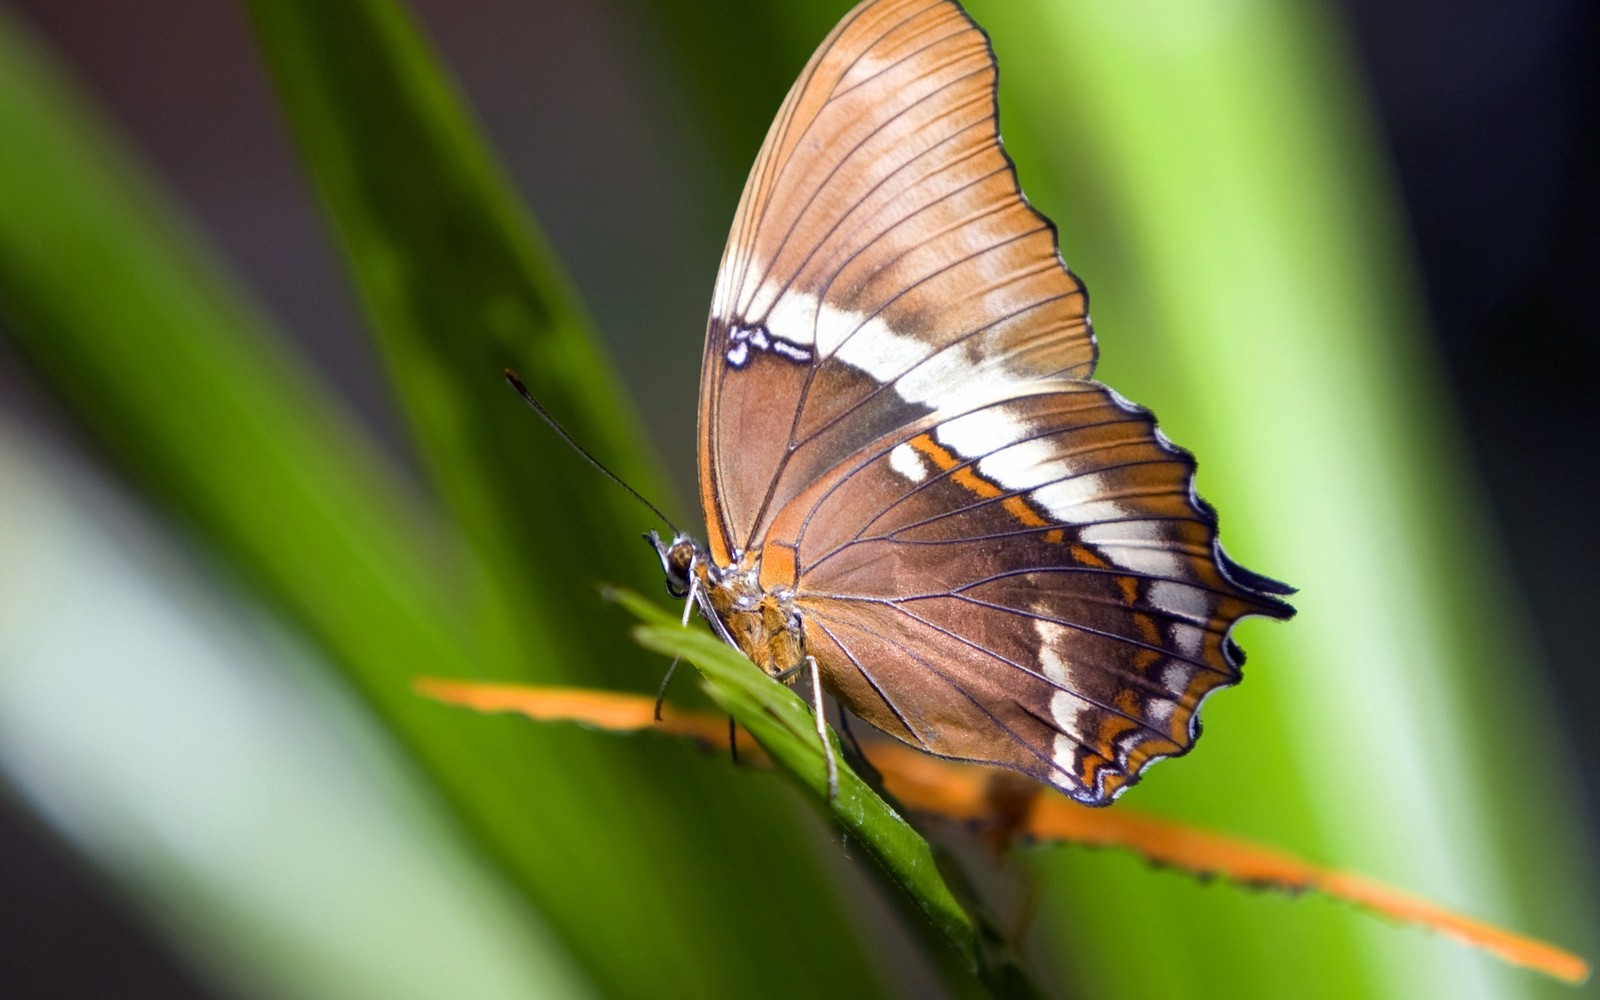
{"x":677,"y":562}
{"x":680,"y":567}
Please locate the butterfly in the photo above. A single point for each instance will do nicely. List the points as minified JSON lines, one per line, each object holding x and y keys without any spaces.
{"x":914,"y":491}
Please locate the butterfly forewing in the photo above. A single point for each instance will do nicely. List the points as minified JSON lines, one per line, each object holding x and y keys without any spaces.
{"x":991,"y":557}
{"x":882,"y":259}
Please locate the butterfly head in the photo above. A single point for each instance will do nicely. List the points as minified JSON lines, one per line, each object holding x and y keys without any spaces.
{"x":678,"y":559}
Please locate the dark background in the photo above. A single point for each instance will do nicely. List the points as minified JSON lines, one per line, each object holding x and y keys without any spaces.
{"x":1488,"y":109}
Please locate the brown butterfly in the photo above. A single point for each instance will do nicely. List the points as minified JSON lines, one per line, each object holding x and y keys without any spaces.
{"x":913,"y":490}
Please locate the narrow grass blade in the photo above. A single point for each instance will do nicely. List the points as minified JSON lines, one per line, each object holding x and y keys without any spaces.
{"x":126,"y":314}
{"x":457,"y":286}
{"x":785,"y":728}
{"x":782,"y":724}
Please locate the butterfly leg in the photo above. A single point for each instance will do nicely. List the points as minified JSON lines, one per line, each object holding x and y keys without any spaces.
{"x":822,"y":728}
{"x":688,"y":609}
{"x":861,"y":763}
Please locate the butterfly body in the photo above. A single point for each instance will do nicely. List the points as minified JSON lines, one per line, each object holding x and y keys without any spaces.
{"x":763,"y":624}
{"x":911,"y":482}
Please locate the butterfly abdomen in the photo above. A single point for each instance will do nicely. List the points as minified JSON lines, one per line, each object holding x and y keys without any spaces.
{"x":763,"y":625}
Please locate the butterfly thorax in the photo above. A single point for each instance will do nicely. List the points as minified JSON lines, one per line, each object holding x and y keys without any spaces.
{"x":764,"y":625}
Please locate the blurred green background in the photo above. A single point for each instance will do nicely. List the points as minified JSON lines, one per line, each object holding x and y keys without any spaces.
{"x":261,"y":265}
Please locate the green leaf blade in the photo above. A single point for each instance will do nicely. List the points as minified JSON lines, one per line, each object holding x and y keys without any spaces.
{"x":785,"y":728}
{"x":458,"y":285}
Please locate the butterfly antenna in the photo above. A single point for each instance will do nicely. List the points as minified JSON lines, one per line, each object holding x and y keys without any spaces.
{"x":555,"y":425}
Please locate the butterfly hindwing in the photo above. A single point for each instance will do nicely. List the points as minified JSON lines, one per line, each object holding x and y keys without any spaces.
{"x":1030,"y":582}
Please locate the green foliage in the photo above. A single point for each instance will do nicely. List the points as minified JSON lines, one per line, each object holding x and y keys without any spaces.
{"x":190,"y":392}
{"x":785,"y":728}
{"x":1223,"y":193}
{"x":1217,"y":187}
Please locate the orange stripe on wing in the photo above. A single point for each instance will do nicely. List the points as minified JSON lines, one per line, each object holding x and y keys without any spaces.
{"x":969,"y":478}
